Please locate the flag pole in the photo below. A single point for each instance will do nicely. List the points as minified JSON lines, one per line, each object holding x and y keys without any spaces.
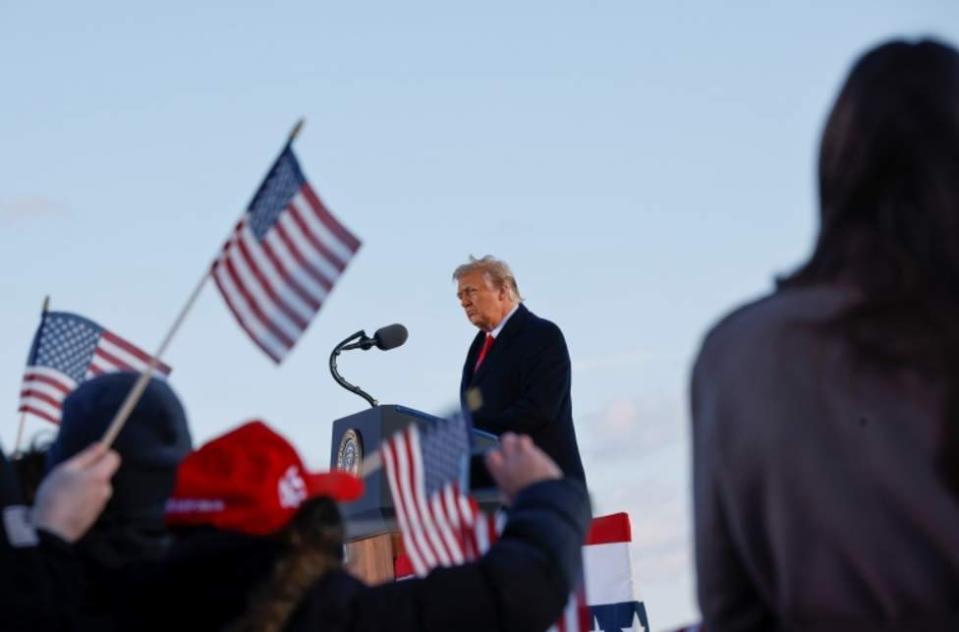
{"x":116,"y":425}
{"x":295,"y":131}
{"x":372,"y":463}
{"x":23,"y":415}
{"x":23,"y":420}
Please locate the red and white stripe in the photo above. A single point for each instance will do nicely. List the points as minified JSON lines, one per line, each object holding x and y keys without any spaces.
{"x":449,"y":529}
{"x":275,"y":286}
{"x":607,"y":561}
{"x":43,"y":392}
{"x":44,"y":389}
{"x":435,"y":530}
{"x":113,"y":353}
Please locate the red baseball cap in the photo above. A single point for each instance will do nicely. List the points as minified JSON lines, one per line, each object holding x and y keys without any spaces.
{"x":250,"y":480}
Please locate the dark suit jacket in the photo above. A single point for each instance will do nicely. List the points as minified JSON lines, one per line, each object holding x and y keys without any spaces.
{"x":524,"y":382}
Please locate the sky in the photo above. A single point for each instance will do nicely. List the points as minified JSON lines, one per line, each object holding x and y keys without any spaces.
{"x":643,"y":166}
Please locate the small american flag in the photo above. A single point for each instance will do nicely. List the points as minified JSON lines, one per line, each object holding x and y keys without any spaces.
{"x":282,"y":259}
{"x":440,"y":525}
{"x":68,"y":349}
{"x":427,"y":473}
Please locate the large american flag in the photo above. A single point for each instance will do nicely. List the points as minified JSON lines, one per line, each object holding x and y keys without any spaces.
{"x":68,"y":349}
{"x":282,"y":259}
{"x":427,"y":472}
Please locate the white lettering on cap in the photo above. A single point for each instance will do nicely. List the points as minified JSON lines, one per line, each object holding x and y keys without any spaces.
{"x":292,"y":488}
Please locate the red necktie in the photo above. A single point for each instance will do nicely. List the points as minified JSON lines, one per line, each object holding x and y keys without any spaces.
{"x":482,"y":354}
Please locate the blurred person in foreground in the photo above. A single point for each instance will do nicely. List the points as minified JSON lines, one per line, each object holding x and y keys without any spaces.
{"x":260,"y":547}
{"x":30,"y":465}
{"x":41,"y":579}
{"x":131,"y":531}
{"x":826,"y":415}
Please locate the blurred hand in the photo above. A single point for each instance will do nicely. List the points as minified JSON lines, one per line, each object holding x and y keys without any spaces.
{"x":71,"y":497}
{"x":518,"y":463}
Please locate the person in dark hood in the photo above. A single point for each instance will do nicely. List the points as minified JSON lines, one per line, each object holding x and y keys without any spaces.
{"x":131,"y":529}
{"x":260,"y":547}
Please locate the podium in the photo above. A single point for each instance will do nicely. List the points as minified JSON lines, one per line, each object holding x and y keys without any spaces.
{"x":373,"y":542}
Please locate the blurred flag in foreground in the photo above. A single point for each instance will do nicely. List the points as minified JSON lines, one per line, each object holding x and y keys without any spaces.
{"x":427,"y":473}
{"x":441,"y":525}
{"x":68,"y":349}
{"x":282,"y":259}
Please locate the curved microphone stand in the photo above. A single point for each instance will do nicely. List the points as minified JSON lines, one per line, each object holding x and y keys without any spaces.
{"x":360,"y":335}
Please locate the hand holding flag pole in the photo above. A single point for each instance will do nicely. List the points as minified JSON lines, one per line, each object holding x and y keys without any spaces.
{"x":137,"y":391}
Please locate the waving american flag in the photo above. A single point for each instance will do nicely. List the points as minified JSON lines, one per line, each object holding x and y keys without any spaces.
{"x":68,"y":349}
{"x":282,"y":259}
{"x":427,"y":471}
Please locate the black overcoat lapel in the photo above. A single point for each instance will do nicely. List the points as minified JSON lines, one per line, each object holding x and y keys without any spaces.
{"x":499,"y":352}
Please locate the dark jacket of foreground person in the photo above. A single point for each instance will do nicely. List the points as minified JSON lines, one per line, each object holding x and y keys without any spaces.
{"x":521,"y":584}
{"x":41,"y":578}
{"x":817,"y":499}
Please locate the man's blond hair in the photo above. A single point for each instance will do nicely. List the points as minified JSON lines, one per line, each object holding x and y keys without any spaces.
{"x":496,"y":271}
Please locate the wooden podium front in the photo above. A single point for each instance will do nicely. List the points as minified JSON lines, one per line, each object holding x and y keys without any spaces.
{"x":373,"y":543}
{"x":371,"y":559}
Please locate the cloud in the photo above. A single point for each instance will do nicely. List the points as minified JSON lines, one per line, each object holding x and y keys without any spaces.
{"x":659,"y":510}
{"x":28,"y":207}
{"x":637,"y":460}
{"x":629,"y":427}
{"x":605,"y":362}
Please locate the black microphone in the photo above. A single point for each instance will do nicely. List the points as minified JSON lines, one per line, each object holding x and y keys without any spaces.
{"x":385,"y":338}
{"x":390,"y":337}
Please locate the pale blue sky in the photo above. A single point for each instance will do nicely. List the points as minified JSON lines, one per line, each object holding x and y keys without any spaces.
{"x":642,"y":165}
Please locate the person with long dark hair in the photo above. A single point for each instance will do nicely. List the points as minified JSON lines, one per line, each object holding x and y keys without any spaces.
{"x":826,"y":415}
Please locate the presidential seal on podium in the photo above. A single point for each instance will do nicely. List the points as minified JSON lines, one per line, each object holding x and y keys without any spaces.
{"x":350,"y":453}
